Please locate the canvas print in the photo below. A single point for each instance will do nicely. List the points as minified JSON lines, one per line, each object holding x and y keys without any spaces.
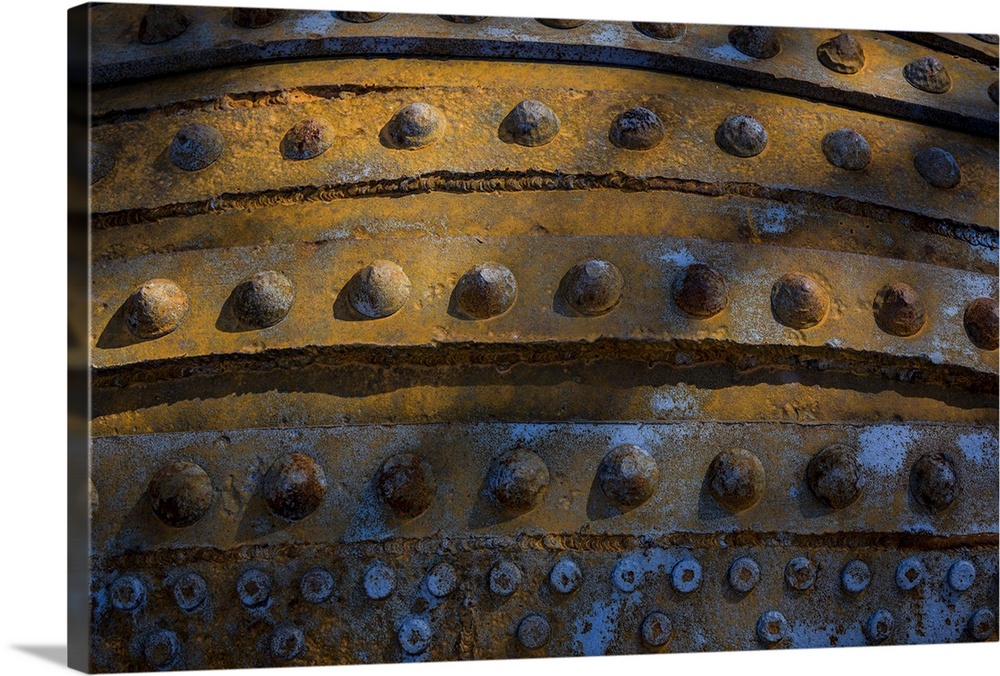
{"x":419,"y":337}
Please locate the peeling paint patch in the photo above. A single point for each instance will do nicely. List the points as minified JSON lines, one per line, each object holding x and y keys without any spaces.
{"x":679,"y":257}
{"x":884,"y":447}
{"x":729,"y":53}
{"x":979,"y":448}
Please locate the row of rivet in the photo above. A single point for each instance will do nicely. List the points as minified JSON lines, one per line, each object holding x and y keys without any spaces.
{"x":591,"y":288}
{"x":181,"y":492}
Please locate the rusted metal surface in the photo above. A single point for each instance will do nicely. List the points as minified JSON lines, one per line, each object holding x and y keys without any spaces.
{"x":628,"y":342}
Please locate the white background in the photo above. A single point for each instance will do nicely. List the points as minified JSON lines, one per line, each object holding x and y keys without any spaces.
{"x":33,"y":334}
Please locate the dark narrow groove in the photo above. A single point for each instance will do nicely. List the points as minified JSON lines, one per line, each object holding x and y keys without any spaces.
{"x":944,"y":44}
{"x":514,"y":181}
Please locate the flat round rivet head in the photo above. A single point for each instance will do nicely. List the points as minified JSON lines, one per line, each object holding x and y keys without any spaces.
{"x":993,"y":92}
{"x":800,"y":573}
{"x":961,"y":575}
{"x":180,"y":493}
{"x":294,"y":486}
{"x":927,"y":74}
{"x":379,"y":289}
{"x":442,"y":580}
{"x":254,"y":588}
{"x":938,"y":167}
{"x":933,"y":481}
{"x":686,"y":576}
{"x":530,"y":123}
{"x":196,"y":146}
{"x":878,"y":628}
{"x":161,"y":23}
{"x":255,"y":17}
{"x":161,"y":649}
{"x":562,"y":24}
{"x":661,"y":31}
{"x":981,"y":322}
{"x":899,"y":310}
{"x":360,"y":17}
{"x":486,"y":290}
{"x":406,"y":484}
{"x":700,"y":292}
{"x":263,"y":299}
{"x":593,"y":287}
{"x":799,"y":301}
{"x":190,"y":591}
{"x":127,"y":593}
{"x":533,"y":631}
{"x":102,"y":161}
{"x":379,"y":581}
{"x":414,"y":126}
{"x":518,"y":480}
{"x":316,"y":585}
{"x":626,"y":575}
{"x":656,"y":629}
{"x":155,"y":309}
{"x":287,"y":642}
{"x":565,"y":576}
{"x":461,"y":18}
{"x":628,"y":475}
{"x":855,"y":576}
{"x":759,"y":42}
{"x":741,"y":136}
{"x":414,"y":635}
{"x":772,"y":627}
{"x":637,"y":129}
{"x":909,"y":573}
{"x":835,"y":476}
{"x":736,"y":479}
{"x":744,"y":575}
{"x":505,"y":578}
{"x":982,"y":625}
{"x":847,"y":149}
{"x":842,"y":54}
{"x":309,"y":138}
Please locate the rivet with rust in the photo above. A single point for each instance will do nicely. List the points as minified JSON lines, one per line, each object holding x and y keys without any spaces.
{"x":938,"y":167}
{"x":855,"y":576}
{"x":307,"y":139}
{"x":254,"y":588}
{"x":294,"y":486}
{"x":800,"y":573}
{"x":656,"y":629}
{"x":360,"y":17}
{"x":736,"y":479}
{"x":379,"y":289}
{"x":772,"y":627}
{"x":760,"y":42}
{"x":161,"y":649}
{"x":533,"y":631}
{"x":161,"y":23}
{"x":637,"y":129}
{"x":961,"y":575}
{"x":933,"y":481}
{"x":255,"y":17}
{"x":928,"y":74}
{"x":102,"y":161}
{"x":316,"y":585}
{"x":486,"y":290}
{"x":190,"y":591}
{"x":415,"y":125}
{"x":442,"y":579}
{"x":909,"y":573}
{"x":847,"y":149}
{"x":842,"y":54}
{"x":879,"y":626}
{"x":462,"y":18}
{"x":414,"y":634}
{"x":593,"y":287}
{"x":180,"y":493}
{"x":988,"y":38}
{"x":562,"y":24}
{"x":565,"y":576}
{"x":626,"y":575}
{"x":661,"y":31}
{"x":982,"y":625}
{"x":196,"y":146}
{"x":899,"y":310}
{"x":686,"y":576}
{"x":835,"y":476}
{"x":799,"y":301}
{"x":518,"y":480}
{"x":530,"y":123}
{"x":379,"y":581}
{"x":155,"y":309}
{"x":406,"y":484}
{"x":127,"y":593}
{"x":743,"y":575}
{"x":628,"y":475}
{"x":741,"y":136}
{"x":263,"y":299}
{"x":981,"y":323}
{"x":287,"y":641}
{"x":700,"y":291}
{"x":992,"y":91}
{"x":505,"y":578}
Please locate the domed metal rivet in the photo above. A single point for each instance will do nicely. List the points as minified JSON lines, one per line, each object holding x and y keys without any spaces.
{"x":982,"y":624}
{"x":486,"y":290}
{"x":565,"y":576}
{"x":593,"y":287}
{"x":254,"y":588}
{"x":686,"y":576}
{"x":835,"y":476}
{"x":736,"y":479}
{"x":461,"y":18}
{"x":772,"y":627}
{"x":413,"y":126}
{"x":938,"y":167}
{"x":530,"y":123}
{"x":180,"y":493}
{"x":800,"y":573}
{"x":287,"y":641}
{"x":879,"y":626}
{"x":992,"y":91}
{"x":898,"y":309}
{"x":379,"y":289}
{"x":842,"y":54}
{"x":909,"y":574}
{"x":744,"y":575}
{"x":360,"y":17}
{"x":855,"y":576}
{"x":927,"y":74}
{"x":406,"y":484}
{"x":533,"y":631}
{"x":847,"y":149}
{"x":161,"y":23}
{"x":626,"y":575}
{"x":656,"y":629}
{"x":294,"y":486}
{"x":309,"y":138}
{"x":414,"y":635}
{"x":760,"y":42}
{"x":263,"y":299}
{"x":700,"y":291}
{"x":637,"y":129}
{"x":518,"y":480}
{"x":155,"y":309}
{"x":661,"y":31}
{"x":442,"y":580}
{"x":505,"y":578}
{"x":380,"y":580}
{"x":741,"y":135}
{"x":628,"y":475}
{"x":127,"y":593}
{"x":799,"y":301}
{"x":961,"y":575}
{"x":161,"y":649}
{"x":562,"y":24}
{"x":102,"y":161}
{"x":981,"y":322}
{"x":933,"y":481}
{"x":255,"y":17}
{"x":316,"y":585}
{"x":196,"y":146}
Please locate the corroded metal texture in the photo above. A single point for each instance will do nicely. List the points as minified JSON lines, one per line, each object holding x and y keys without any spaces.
{"x":632,"y":338}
